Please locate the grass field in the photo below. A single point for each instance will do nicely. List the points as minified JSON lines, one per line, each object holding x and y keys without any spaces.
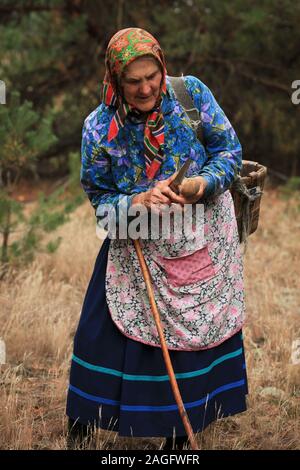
{"x":40,"y":308}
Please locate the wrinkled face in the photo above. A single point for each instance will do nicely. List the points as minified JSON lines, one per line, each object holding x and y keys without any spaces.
{"x":141,"y":83}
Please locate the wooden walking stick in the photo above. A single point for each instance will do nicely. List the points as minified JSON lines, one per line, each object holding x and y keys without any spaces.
{"x":170,"y":370}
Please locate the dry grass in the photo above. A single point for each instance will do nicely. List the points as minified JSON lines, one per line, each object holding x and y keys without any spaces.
{"x":40,"y":308}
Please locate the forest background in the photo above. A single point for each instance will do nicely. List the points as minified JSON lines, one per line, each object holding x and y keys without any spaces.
{"x":52,"y":53}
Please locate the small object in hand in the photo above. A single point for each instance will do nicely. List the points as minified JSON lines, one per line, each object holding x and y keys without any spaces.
{"x":189,"y":187}
{"x":180,"y":175}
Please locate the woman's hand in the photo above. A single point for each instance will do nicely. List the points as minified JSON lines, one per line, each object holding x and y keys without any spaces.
{"x":164,"y":187}
{"x":158,"y":196}
{"x":162,"y":194}
{"x":192,"y":189}
{"x":153,"y":199}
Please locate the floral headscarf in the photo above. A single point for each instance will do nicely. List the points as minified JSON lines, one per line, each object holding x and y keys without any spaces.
{"x":124,"y":47}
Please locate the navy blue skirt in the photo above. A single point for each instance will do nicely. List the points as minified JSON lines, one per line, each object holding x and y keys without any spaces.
{"x":122,"y":385}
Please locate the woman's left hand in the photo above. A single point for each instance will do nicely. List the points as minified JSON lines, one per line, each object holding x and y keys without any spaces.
{"x":195,"y":182}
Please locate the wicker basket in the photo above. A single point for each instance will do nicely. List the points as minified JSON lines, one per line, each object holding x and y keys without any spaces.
{"x":247,"y":197}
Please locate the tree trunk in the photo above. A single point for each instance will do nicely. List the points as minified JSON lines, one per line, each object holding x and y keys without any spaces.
{"x":120,"y":14}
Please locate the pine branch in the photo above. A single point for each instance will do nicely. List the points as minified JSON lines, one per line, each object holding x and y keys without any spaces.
{"x":254,"y":78}
{"x":28,"y":8}
{"x":257,"y":63}
{"x":62,"y":145}
{"x":266,"y":82}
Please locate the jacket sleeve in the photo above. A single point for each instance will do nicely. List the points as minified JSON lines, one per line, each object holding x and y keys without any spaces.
{"x":96,"y":176}
{"x":223,"y":149}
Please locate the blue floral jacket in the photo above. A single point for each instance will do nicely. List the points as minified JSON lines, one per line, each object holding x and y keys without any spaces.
{"x":113,"y":172}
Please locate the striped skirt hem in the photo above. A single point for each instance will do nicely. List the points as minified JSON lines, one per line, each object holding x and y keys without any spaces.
{"x":121,"y":385}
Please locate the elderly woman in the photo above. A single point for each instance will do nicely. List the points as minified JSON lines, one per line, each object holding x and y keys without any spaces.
{"x":132,"y":146}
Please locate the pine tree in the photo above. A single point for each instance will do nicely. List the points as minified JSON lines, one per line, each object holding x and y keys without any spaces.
{"x":23,"y":135}
{"x":52,"y":52}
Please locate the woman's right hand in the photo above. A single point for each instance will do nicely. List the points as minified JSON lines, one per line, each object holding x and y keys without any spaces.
{"x":159,"y":196}
{"x":153,"y":199}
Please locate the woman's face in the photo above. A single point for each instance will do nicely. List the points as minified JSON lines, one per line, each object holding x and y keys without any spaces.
{"x":141,"y":83}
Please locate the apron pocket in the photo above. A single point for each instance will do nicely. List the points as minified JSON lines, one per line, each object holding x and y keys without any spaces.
{"x":188,"y":269}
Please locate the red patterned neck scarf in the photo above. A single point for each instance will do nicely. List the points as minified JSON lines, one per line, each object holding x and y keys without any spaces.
{"x":124,"y":47}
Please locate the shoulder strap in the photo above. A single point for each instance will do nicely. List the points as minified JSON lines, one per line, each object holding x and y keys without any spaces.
{"x":188,"y":104}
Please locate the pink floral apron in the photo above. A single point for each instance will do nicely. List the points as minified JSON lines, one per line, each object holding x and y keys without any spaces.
{"x":198,"y":284}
